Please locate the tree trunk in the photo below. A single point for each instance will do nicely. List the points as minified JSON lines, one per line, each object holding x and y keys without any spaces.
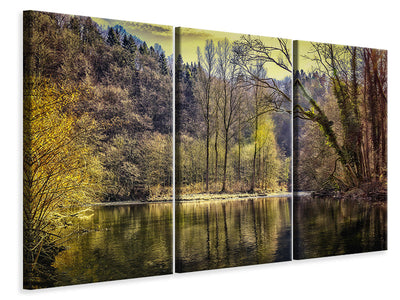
{"x":253,"y":176}
{"x":207,"y":155}
{"x":216,"y":149}
{"x":225,"y":161}
{"x":239,"y":148}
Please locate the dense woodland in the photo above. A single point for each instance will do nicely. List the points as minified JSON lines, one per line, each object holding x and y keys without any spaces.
{"x":233,"y":119}
{"x":97,"y":127}
{"x":340,"y":109}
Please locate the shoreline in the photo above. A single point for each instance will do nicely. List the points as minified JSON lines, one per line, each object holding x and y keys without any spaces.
{"x":197,"y":197}
{"x":200,"y":197}
{"x":355,"y":195}
{"x":221,"y":197}
{"x":130,"y":203}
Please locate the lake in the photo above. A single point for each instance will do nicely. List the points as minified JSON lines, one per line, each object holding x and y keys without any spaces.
{"x":228,"y":233}
{"x":123,"y":241}
{"x":135,"y":240}
{"x":328,"y":226}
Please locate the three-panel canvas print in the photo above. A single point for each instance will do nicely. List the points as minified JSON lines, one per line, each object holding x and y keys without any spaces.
{"x":143,"y":157}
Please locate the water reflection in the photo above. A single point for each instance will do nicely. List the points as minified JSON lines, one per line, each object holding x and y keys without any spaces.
{"x":123,"y":241}
{"x":218,"y":234}
{"x":325,"y":227}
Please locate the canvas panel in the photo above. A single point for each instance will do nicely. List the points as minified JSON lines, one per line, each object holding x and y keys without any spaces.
{"x":340,"y":150}
{"x":233,"y":149}
{"x":97,"y":149}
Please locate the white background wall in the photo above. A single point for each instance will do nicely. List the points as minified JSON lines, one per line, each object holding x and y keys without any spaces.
{"x":361,"y":23}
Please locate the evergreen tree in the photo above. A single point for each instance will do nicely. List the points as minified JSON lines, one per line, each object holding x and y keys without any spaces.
{"x":74,"y":24}
{"x":143,"y":49}
{"x":179,"y":68}
{"x":129,"y":44}
{"x":163,"y":64}
{"x":152,"y":51}
{"x":112,"y":37}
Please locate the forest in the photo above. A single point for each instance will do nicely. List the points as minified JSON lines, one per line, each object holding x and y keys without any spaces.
{"x":97,"y":127}
{"x":233,"y":119}
{"x":340,"y":117}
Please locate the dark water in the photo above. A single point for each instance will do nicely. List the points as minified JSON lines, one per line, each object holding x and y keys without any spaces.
{"x":325,"y":227}
{"x":218,"y":234}
{"x":124,"y":241}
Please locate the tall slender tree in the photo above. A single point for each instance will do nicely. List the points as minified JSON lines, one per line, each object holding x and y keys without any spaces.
{"x":206,"y":61}
{"x":112,"y":37}
{"x":227,"y":73}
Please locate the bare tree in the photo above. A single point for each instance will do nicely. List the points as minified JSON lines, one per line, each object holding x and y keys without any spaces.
{"x":250,"y":51}
{"x":262,"y":105}
{"x":206,"y":63}
{"x":231,"y":97}
{"x":254,"y":57}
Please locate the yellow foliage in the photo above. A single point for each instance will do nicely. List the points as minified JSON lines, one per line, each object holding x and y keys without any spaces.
{"x":55,"y":162}
{"x":265,"y":133}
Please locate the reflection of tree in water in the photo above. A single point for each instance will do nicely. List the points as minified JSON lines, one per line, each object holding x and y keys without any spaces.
{"x":222,"y":234}
{"x":334,"y":226}
{"x":123,"y":242}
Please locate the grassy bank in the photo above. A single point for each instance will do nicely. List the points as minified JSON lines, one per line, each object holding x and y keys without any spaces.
{"x":226,"y":196}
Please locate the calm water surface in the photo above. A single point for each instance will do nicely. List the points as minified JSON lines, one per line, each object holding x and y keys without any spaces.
{"x":128,"y":241}
{"x":325,"y":227}
{"x":229,"y":233}
{"x":124,"y":241}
